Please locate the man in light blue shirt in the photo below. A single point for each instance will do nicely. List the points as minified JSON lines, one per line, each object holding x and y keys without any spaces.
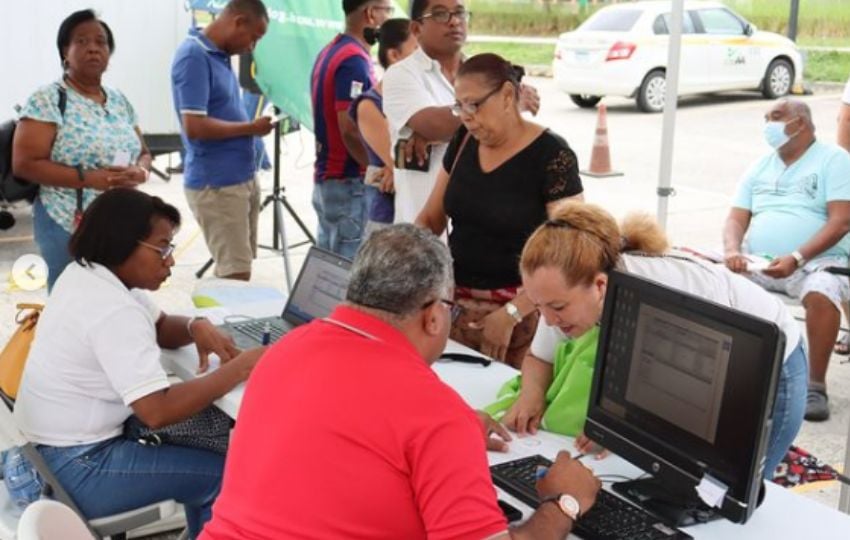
{"x":221,"y":162}
{"x":793,"y":206}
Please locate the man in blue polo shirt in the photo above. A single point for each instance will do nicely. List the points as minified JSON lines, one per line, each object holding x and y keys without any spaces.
{"x":793,"y":206}
{"x":342,"y":71}
{"x":221,"y":161}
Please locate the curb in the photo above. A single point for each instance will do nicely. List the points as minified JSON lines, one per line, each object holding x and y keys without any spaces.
{"x":819,"y":87}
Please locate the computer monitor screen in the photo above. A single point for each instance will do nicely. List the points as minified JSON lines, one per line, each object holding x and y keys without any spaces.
{"x":320,"y":286}
{"x":684,"y":388}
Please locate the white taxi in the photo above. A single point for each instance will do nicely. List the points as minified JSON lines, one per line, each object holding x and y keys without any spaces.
{"x":621,"y":50}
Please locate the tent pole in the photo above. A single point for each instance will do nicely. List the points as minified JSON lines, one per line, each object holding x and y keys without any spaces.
{"x":670,"y":105}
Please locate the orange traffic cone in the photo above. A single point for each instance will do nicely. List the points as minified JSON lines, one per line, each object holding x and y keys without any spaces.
{"x":600,"y":158}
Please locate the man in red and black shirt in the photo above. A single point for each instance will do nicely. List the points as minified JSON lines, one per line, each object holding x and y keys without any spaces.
{"x":343,"y":70}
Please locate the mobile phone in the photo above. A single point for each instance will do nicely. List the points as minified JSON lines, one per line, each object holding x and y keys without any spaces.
{"x":413,"y":164}
{"x":278,"y":118}
{"x":512,"y":513}
{"x":374,"y":176}
{"x":121,"y":159}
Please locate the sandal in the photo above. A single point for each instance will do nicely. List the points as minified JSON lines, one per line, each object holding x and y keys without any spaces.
{"x":842,"y":345}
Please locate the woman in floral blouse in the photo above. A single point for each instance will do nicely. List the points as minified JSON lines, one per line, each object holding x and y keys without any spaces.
{"x":76,"y":138}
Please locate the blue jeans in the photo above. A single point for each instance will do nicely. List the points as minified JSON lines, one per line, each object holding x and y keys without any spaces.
{"x":788,"y":409}
{"x":118,"y":475}
{"x":52,"y":241}
{"x":341,"y":206}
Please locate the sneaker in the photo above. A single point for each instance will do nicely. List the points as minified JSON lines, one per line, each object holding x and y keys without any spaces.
{"x":817,"y":406}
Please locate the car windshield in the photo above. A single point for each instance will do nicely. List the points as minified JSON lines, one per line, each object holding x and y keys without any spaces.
{"x":613,"y":20}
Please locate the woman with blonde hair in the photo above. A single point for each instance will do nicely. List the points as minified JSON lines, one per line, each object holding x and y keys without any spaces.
{"x":564,"y":267}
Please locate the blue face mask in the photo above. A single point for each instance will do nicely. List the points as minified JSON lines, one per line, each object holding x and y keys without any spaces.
{"x":774,"y":134}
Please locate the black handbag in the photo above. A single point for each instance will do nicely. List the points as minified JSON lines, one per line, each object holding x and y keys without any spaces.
{"x":12,"y":188}
{"x":207,"y":430}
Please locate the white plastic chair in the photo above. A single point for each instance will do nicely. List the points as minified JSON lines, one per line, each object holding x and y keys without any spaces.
{"x":115,"y":526}
{"x":52,"y":520}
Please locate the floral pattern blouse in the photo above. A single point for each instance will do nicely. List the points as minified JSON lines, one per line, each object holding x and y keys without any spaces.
{"x":89,"y":134}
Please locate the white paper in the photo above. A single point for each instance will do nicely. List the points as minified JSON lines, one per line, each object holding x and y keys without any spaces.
{"x":711,"y":491}
{"x":121,"y":159}
{"x":756,"y":263}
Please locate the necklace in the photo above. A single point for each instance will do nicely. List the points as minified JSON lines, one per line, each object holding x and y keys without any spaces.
{"x":350,"y":328}
{"x":97,"y":96}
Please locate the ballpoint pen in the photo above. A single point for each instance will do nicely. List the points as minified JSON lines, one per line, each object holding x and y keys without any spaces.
{"x":267,"y":333}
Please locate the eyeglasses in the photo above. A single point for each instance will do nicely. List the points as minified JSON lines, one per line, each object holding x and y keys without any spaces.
{"x":443,"y":16}
{"x":164,"y":251}
{"x":472,"y":107}
{"x":454,"y":309}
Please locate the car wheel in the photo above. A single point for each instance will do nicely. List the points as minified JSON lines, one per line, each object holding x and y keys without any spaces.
{"x":585,"y":101}
{"x":650,"y":97}
{"x":778,"y":79}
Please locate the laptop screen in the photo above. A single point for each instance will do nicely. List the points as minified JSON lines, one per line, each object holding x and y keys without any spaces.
{"x":320,"y":286}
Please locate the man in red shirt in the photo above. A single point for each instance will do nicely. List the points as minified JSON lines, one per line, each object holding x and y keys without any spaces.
{"x":345,"y":431}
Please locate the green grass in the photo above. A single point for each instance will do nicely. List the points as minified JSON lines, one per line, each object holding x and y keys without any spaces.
{"x":827,"y":66}
{"x":821,"y":22}
{"x":522,"y":54}
{"x":820,"y":66}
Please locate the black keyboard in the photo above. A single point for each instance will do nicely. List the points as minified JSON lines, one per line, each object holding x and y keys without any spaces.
{"x":610,"y":518}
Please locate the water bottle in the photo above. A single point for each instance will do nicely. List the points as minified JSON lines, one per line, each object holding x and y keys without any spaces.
{"x":21,"y":479}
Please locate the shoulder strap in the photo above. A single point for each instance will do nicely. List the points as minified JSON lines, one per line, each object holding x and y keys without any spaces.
{"x":63,"y":100}
{"x":460,"y":148}
{"x":63,"y":104}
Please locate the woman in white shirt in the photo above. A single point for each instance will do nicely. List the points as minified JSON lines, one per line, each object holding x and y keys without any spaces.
{"x":564,"y":269}
{"x":95,"y":361}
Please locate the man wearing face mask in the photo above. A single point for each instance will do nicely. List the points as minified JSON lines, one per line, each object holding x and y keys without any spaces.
{"x":343,"y":71}
{"x":793,"y":206}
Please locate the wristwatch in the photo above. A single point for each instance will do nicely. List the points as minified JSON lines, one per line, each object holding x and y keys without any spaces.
{"x":567,"y":503}
{"x":799,"y":258}
{"x":513,"y":311}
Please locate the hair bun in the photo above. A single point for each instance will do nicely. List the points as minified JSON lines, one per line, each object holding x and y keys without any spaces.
{"x":517,"y":72}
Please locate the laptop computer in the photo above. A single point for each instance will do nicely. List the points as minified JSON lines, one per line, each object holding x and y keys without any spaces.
{"x":319,"y":287}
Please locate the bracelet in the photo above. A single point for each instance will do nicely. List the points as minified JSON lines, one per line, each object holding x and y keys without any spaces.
{"x":189,"y":325}
{"x":799,"y":258}
{"x":513,"y":311}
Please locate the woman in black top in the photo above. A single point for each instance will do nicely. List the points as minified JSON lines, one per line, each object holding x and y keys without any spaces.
{"x":502,"y":175}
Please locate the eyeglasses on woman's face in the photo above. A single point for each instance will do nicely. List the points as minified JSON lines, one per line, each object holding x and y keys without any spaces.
{"x":471,"y":107}
{"x":164,"y":251}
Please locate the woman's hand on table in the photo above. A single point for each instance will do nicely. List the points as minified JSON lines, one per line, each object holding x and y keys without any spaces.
{"x":526,"y":413}
{"x":209,"y":339}
{"x":497,"y":328}
{"x":495,"y":435}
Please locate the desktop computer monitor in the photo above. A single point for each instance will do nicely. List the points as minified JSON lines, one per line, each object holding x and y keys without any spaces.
{"x":684,"y":388}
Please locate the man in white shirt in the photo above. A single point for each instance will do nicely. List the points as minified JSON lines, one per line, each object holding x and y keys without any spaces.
{"x":418,"y":94}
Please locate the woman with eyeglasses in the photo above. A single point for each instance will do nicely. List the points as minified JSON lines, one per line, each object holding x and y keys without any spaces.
{"x":95,"y":361}
{"x":502,"y":176}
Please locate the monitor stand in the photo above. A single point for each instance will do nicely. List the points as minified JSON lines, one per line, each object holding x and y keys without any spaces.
{"x":680,"y":507}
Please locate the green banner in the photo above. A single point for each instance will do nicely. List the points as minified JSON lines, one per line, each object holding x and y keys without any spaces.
{"x":298,"y":30}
